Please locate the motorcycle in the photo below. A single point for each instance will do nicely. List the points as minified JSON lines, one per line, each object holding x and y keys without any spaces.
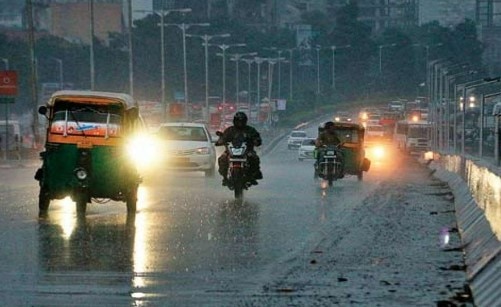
{"x":330,"y":166}
{"x":238,"y":171}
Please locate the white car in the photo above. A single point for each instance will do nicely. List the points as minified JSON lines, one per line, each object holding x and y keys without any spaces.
{"x":306,"y":150}
{"x":187,"y":147}
{"x":295,"y":139}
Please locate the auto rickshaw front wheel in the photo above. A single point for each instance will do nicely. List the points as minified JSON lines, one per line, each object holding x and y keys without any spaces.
{"x":81,"y":200}
{"x":43,"y":200}
{"x":131,"y":199}
{"x":360,"y":176}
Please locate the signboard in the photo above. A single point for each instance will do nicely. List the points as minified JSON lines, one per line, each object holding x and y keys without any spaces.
{"x":281,"y":104}
{"x":8,"y":83}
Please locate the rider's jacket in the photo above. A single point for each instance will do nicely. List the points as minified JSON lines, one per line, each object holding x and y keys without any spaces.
{"x":250,"y":135}
{"x":326,"y":138}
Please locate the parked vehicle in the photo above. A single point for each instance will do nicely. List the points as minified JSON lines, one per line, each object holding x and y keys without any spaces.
{"x":85,"y":154}
{"x":307,"y":149}
{"x":187,"y":146}
{"x":295,"y":138}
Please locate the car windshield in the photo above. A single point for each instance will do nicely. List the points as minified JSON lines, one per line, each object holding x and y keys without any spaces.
{"x":298,"y":134}
{"x":183,"y":133}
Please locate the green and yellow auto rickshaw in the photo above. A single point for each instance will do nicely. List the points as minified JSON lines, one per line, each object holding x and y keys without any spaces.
{"x":351,"y":136}
{"x":85,"y":153}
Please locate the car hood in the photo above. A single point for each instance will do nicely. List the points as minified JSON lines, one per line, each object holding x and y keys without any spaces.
{"x":307,"y":148}
{"x":183,"y":145}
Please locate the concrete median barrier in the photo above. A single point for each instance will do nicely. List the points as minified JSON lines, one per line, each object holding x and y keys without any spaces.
{"x":477,"y":190}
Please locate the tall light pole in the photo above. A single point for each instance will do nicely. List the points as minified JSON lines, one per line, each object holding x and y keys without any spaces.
{"x":6,"y":64}
{"x":92,"y":70}
{"x":33,"y":72}
{"x":381,"y":56}
{"x":129,"y":36}
{"x":258,"y":61}
{"x":184,"y":26}
{"x":291,"y":51}
{"x":162,"y":13}
{"x":317,"y":48}
{"x":61,"y":78}
{"x":223,"y":48}
{"x":334,"y":48}
{"x":249,"y":66}
{"x":206,"y":38}
{"x":236,"y":57}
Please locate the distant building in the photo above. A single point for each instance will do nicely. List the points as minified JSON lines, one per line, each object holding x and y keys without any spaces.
{"x":447,"y":12}
{"x":488,"y":17}
{"x":68,"y":19}
{"x":379,"y":15}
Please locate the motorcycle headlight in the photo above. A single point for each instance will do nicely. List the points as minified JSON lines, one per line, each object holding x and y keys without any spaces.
{"x":81,"y":173}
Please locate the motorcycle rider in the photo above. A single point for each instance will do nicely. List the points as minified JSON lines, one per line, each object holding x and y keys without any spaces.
{"x":326,"y":137}
{"x":251,"y":137}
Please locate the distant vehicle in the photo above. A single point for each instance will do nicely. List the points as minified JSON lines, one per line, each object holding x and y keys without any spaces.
{"x":374,"y":132}
{"x":296,"y":138}
{"x":396,"y":106}
{"x":412,"y":136}
{"x":374,"y":119}
{"x":342,"y":117}
{"x":10,"y":136}
{"x":306,"y":150}
{"x":187,"y":147}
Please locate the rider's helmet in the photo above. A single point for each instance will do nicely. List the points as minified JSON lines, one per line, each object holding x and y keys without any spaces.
{"x":240,"y":120}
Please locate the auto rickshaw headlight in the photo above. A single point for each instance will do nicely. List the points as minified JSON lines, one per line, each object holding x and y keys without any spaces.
{"x":81,"y":173}
{"x":143,"y":151}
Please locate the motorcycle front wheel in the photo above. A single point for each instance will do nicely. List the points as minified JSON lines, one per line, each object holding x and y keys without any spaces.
{"x":238,"y":183}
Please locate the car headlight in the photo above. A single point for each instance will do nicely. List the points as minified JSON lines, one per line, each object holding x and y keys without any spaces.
{"x":81,"y":173}
{"x":203,"y":151}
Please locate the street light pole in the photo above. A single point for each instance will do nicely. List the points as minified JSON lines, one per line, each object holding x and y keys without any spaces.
{"x":206,"y":38}
{"x":162,"y":13}
{"x":334,"y":48}
{"x":249,"y":63}
{"x":6,"y":63}
{"x":223,"y":48}
{"x":290,"y":73}
{"x":131,"y":63}
{"x":92,"y":69}
{"x":61,"y":80}
{"x":236,"y":57}
{"x":381,"y":56}
{"x":183,"y":26}
{"x":318,"y":69}
{"x":258,"y":61}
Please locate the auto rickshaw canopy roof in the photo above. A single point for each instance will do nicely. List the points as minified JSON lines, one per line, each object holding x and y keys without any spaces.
{"x":352,"y":126}
{"x":93,"y":97}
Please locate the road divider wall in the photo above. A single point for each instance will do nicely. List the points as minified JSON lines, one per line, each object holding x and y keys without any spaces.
{"x":477,"y":189}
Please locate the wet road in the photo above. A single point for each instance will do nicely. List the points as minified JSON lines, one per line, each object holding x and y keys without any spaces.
{"x":188,"y":244}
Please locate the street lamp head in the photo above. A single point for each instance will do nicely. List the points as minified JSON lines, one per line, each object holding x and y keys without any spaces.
{"x":495,"y":79}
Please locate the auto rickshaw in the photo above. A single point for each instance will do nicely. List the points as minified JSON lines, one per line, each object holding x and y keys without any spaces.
{"x":85,"y":154}
{"x":351,"y":136}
